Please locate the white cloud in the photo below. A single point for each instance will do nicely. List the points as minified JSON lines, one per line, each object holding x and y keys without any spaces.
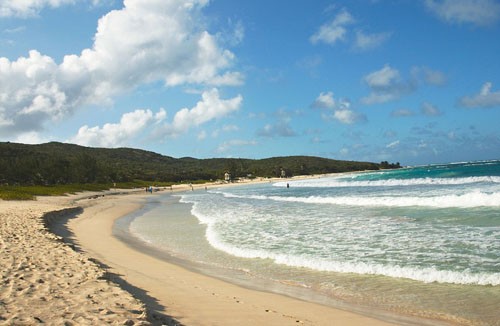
{"x":144,"y":42}
{"x":230,"y":128}
{"x":324,"y":101}
{"x":30,"y":93}
{"x":31,"y":8}
{"x":393,"y":144}
{"x":428,"y":76}
{"x":160,"y":115}
{"x":31,"y":137}
{"x":430,"y":109}
{"x":133,"y":123}
{"x":14,"y":30}
{"x":346,"y":116}
{"x":370,"y":41}
{"x":210,"y":107}
{"x":116,"y":134}
{"x":386,"y":85}
{"x":281,"y":128}
{"x":383,"y":78}
{"x":234,"y":34}
{"x":479,"y":12}
{"x":202,"y":135}
{"x":27,"y":8}
{"x":402,"y":113}
{"x":226,"y":146}
{"x":3,"y":120}
{"x":338,"y":109}
{"x":344,"y":151}
{"x":333,"y":31}
{"x":485,"y":99}
{"x":338,"y":30}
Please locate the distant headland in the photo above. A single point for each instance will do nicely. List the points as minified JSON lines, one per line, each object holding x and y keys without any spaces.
{"x":57,"y":163}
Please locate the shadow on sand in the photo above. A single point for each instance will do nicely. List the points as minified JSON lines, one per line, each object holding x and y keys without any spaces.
{"x":57,"y":223}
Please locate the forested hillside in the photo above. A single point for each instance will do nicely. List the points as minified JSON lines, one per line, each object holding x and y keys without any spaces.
{"x":58,"y":163}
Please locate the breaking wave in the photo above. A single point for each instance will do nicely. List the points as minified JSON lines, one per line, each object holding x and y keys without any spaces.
{"x":466,"y":200}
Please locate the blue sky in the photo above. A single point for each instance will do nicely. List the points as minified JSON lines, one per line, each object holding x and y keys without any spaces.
{"x":405,"y":81}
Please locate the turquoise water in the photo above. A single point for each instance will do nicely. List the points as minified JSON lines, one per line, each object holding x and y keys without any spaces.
{"x":422,"y":241}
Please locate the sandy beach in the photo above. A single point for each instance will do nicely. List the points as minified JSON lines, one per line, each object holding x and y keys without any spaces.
{"x":45,"y":280}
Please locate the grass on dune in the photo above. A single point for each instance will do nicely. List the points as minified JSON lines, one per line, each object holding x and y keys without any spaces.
{"x":8,"y":192}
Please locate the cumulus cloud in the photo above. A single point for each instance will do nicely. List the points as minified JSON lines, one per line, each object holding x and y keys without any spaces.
{"x":386,"y":85}
{"x":117,"y":134}
{"x":485,"y":99}
{"x":383,"y":79}
{"x":478,"y":12}
{"x":144,"y":42}
{"x":347,"y":116}
{"x":210,"y":107}
{"x":31,"y":137}
{"x":338,"y":30}
{"x":366,"y":41}
{"x":325,"y":100}
{"x":337,"y":109}
{"x":131,"y":124}
{"x":333,"y":31}
{"x":30,"y":92}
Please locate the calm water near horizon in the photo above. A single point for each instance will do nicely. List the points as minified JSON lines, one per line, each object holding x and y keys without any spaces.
{"x":421,"y":241}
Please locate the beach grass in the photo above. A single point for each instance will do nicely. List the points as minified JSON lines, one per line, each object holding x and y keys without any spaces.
{"x":17,"y":192}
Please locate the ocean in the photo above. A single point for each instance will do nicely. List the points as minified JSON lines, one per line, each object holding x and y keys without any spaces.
{"x":420,"y":241}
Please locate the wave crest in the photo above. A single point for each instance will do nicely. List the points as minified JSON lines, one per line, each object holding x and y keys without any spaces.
{"x":340,"y":182}
{"x":466,"y":200}
{"x":426,"y":275}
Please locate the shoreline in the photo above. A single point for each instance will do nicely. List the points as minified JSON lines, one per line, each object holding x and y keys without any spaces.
{"x":168,"y":293}
{"x":188,"y":296}
{"x":248,"y":280}
{"x":187,"y":312}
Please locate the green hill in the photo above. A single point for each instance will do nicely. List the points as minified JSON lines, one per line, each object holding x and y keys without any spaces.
{"x":58,"y":163}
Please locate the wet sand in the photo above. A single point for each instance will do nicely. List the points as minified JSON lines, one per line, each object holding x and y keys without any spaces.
{"x":189,"y":297}
{"x":96,"y":278}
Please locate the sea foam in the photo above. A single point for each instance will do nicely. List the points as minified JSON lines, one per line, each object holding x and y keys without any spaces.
{"x":342,"y":182}
{"x":423,"y":274}
{"x":428,"y":229}
{"x":466,"y":200}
